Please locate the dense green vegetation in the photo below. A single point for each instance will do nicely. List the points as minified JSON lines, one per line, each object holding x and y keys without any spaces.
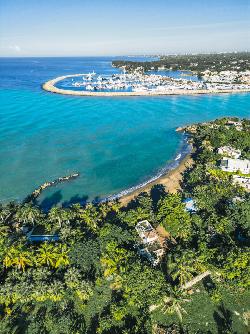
{"x":198,"y":63}
{"x":93,"y":281}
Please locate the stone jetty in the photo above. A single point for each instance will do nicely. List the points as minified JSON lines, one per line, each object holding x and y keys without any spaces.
{"x":36,"y":193}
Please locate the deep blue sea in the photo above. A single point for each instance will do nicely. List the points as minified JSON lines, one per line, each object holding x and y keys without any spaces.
{"x":114,"y":142}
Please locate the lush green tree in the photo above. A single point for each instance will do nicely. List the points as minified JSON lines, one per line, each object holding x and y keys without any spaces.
{"x":28,"y":213}
{"x":173,"y":217}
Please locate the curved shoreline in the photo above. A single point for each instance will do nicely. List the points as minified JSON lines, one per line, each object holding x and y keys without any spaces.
{"x":169,"y":176}
{"x":171,"y":181}
{"x":49,"y":86}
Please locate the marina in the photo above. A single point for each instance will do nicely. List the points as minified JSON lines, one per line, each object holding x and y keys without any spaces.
{"x":135,"y":84}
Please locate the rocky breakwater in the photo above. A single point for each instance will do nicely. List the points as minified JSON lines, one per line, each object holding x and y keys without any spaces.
{"x":33,"y":196}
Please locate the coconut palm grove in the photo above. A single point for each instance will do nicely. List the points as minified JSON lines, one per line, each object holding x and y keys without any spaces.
{"x":85,"y":269}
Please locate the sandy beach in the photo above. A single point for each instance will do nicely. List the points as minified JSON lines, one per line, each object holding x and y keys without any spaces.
{"x":50,"y":87}
{"x":171,"y":181}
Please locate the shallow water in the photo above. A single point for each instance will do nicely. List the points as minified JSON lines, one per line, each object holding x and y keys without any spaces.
{"x":114,"y":142}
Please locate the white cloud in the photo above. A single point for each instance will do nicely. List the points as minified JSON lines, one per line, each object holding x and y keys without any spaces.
{"x":15,"y":48}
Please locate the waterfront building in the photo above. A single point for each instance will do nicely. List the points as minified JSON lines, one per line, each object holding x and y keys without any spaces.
{"x":242,"y":180}
{"x":237,"y":125}
{"x":229,"y":152}
{"x":235,"y":165}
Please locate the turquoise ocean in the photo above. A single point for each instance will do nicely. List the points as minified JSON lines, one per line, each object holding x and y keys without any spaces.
{"x":115,"y":143}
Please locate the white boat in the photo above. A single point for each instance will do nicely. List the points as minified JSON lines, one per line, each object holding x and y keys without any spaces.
{"x":140,"y":89}
{"x":89,"y":87}
{"x":178,"y":157}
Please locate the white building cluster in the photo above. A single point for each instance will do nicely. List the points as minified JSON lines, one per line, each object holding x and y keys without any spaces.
{"x":229,"y":152}
{"x":242,"y":181}
{"x":150,"y":245}
{"x":233,"y":164}
{"x":227,"y":77}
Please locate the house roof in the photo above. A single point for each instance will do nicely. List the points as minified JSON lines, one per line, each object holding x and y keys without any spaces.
{"x":190,"y":204}
{"x":38,"y":238}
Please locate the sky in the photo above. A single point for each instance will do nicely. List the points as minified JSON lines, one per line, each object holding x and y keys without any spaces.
{"x":122,"y":27}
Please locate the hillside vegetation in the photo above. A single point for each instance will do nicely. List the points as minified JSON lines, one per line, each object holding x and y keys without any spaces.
{"x":239,"y":61}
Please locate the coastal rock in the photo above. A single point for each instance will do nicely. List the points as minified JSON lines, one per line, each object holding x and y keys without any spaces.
{"x":46,"y":185}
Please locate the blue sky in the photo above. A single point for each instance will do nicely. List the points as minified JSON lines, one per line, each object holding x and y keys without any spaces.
{"x":105,"y":27}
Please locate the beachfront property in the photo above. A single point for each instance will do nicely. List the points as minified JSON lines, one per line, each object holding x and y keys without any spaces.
{"x":229,"y":151}
{"x":149,"y":245}
{"x":242,"y":181}
{"x":236,"y":124}
{"x":235,"y":165}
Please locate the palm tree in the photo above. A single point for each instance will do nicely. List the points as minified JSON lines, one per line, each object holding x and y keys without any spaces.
{"x":4,"y":230}
{"x":61,"y":256}
{"x":90,"y":217}
{"x":23,"y":259}
{"x":17,"y":257}
{"x":115,"y":206}
{"x":183,"y":273}
{"x":9,"y":257}
{"x":182,"y":267}
{"x":4,"y":212}
{"x":59,"y":215}
{"x":28,"y":213}
{"x":104,"y":208}
{"x":46,"y":255}
{"x":76,"y":209}
{"x":172,"y":304}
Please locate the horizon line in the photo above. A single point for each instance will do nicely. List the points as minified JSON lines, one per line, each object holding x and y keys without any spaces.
{"x":131,"y":55}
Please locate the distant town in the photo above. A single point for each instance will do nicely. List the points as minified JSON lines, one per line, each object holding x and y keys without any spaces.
{"x":198,"y":63}
{"x":186,"y":74}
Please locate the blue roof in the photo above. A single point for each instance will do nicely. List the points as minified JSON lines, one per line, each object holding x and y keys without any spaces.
{"x":190,"y":204}
{"x":37,"y":238}
{"x":189,"y":199}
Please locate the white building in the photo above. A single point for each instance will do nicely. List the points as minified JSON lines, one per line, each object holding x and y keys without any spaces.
{"x":229,"y":152}
{"x":243,"y":181}
{"x":149,"y":244}
{"x":235,"y":165}
{"x":146,"y":232}
{"x":237,"y":125}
